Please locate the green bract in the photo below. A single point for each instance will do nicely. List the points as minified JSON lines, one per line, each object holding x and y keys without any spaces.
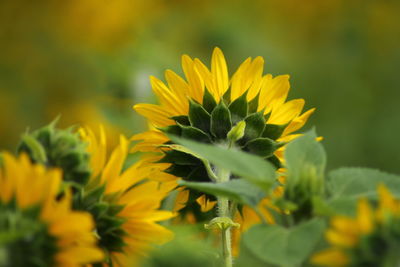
{"x":58,"y":148}
{"x":235,"y":124}
{"x":305,"y":182}
{"x":104,"y":212}
{"x":24,"y":240}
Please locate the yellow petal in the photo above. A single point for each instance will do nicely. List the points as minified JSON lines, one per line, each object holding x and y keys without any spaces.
{"x":365,"y":217}
{"x":196,"y":83}
{"x":331,"y":258}
{"x":273,"y":92}
{"x":114,"y":165}
{"x":207,"y":78}
{"x":255,"y":74}
{"x":168,"y":99}
{"x":220,"y":72}
{"x":387,"y":203}
{"x":159,"y":116}
{"x":286,"y":112}
{"x":345,"y":225}
{"x":205,"y":204}
{"x":240,"y":82}
{"x":181,"y":199}
{"x":298,"y":122}
{"x":340,"y":239}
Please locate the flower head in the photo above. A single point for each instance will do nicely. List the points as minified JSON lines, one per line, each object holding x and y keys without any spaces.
{"x":59,"y":148}
{"x":371,"y":238}
{"x":248,"y":111}
{"x":36,"y":228}
{"x":124,"y":204}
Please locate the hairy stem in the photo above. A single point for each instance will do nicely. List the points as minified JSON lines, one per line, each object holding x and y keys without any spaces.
{"x":224,"y":211}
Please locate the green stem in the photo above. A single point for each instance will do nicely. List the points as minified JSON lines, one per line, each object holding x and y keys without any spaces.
{"x":226,"y":247}
{"x":224,"y":211}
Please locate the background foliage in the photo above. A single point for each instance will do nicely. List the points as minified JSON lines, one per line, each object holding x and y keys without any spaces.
{"x":90,"y":60}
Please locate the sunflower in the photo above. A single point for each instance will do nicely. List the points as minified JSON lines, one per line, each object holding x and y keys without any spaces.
{"x":372,"y":238}
{"x":208,"y":105}
{"x":36,"y":228}
{"x":54,"y":147}
{"x":124,"y":204}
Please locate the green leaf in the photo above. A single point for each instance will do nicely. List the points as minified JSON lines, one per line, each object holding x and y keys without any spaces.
{"x":209,"y":102}
{"x":263,"y":147}
{"x":238,"y":190}
{"x":361,"y":182}
{"x":243,"y":164}
{"x":199,"y":117}
{"x":255,"y":124}
{"x":305,"y":153}
{"x":345,"y":185}
{"x":221,"y":122}
{"x":275,"y":244}
{"x":239,"y":108}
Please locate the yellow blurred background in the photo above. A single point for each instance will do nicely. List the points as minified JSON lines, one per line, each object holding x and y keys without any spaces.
{"x":89,"y":61}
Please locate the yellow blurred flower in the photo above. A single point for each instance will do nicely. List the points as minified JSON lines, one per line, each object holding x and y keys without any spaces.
{"x":131,"y":230}
{"x":369,"y":239}
{"x":49,"y":232}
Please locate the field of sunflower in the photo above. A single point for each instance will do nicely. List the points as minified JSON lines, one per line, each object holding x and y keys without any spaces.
{"x":169,"y":133}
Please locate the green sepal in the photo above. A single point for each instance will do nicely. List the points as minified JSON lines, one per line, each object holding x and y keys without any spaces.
{"x":91,"y":197}
{"x":32,"y":146}
{"x":172,"y":129}
{"x":24,"y":239}
{"x":111,"y":222}
{"x":178,"y":157}
{"x":99,"y":210}
{"x":114,"y":209}
{"x":193,"y":133}
{"x":109,"y":229}
{"x":253,"y":104}
{"x":179,"y":170}
{"x":263,"y":147}
{"x":184,"y":120}
{"x":275,"y":161}
{"x":239,"y":108}
{"x":198,"y":174}
{"x":237,"y":131}
{"x":113,"y":241}
{"x":273,"y":131}
{"x":221,"y":122}
{"x":72,"y":158}
{"x":199,"y":117}
{"x":209,"y":102}
{"x":227,"y":96}
{"x":255,"y":125}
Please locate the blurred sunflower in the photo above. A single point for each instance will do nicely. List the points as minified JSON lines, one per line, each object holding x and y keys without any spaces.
{"x":208,"y":108}
{"x":124,"y":205}
{"x":372,"y":238}
{"x":35,"y":228}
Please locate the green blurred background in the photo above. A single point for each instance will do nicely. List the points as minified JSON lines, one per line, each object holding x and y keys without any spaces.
{"x":89,"y":60}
